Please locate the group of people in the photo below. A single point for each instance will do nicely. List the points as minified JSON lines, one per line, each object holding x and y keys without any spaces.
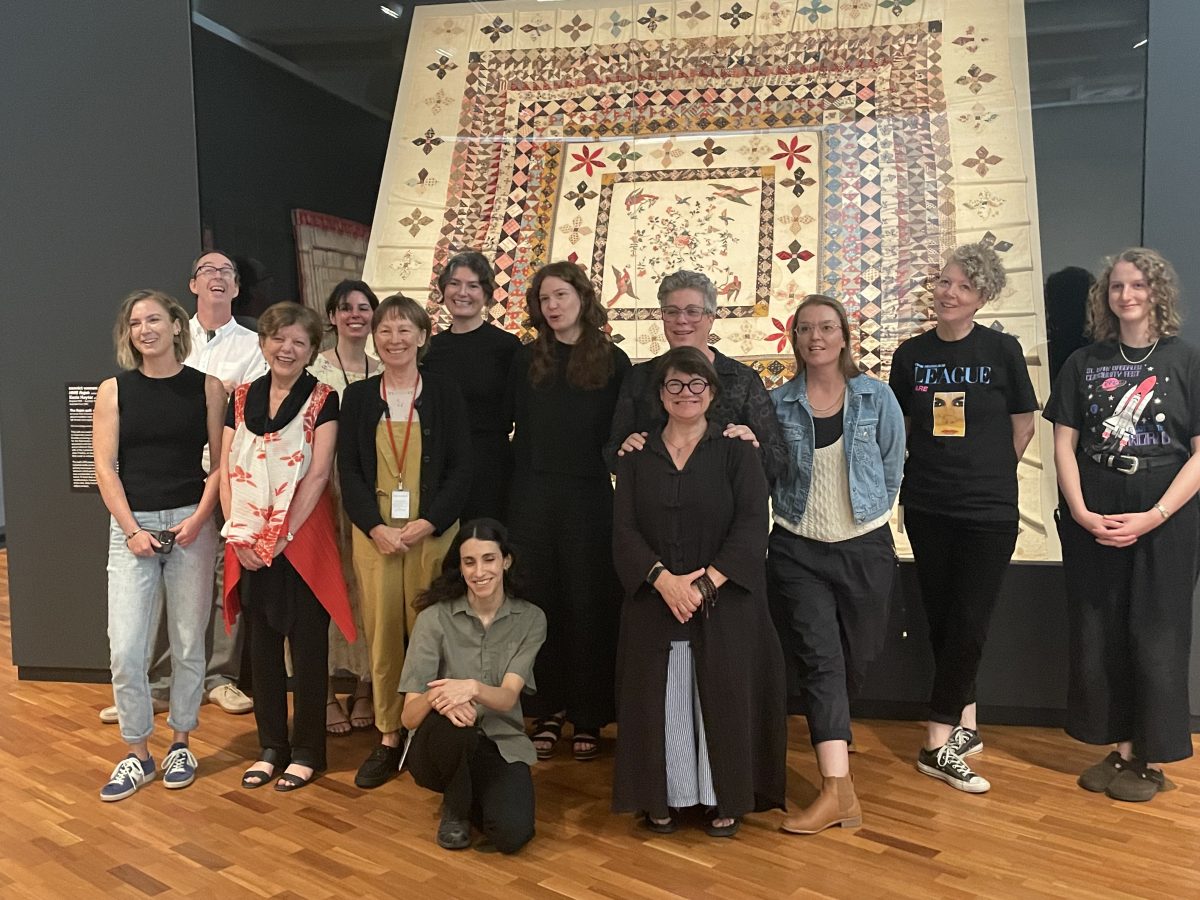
{"x":375,"y":513}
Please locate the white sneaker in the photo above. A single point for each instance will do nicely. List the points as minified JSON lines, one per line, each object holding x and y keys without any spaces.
{"x":947,"y":765}
{"x":230,"y":698}
{"x":109,"y":716}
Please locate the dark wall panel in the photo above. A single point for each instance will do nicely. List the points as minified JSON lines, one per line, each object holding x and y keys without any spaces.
{"x":100,"y":198}
{"x":269,"y":143}
{"x":1172,"y":189}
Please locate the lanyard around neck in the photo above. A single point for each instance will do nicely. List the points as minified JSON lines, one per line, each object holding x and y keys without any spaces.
{"x":387,"y":412}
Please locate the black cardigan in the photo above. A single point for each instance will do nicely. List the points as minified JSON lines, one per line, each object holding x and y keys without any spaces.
{"x":445,"y":451}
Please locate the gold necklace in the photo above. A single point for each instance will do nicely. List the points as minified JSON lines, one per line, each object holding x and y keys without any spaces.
{"x":836,"y":401}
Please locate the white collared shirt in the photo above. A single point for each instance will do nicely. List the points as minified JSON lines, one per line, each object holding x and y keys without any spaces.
{"x":233,"y":354}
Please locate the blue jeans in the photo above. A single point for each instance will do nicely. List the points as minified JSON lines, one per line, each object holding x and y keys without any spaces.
{"x":136,"y":586}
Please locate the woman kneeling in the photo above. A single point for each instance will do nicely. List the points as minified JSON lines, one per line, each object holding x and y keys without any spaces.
{"x":469,"y":658}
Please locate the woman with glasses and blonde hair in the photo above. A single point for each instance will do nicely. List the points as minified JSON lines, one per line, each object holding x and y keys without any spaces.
{"x":701,"y":711}
{"x":562,"y":390}
{"x":831,"y":559}
{"x":150,"y":426}
{"x":1126,"y":414}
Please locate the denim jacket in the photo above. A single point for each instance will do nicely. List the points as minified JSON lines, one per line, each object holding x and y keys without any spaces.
{"x":873,"y":435}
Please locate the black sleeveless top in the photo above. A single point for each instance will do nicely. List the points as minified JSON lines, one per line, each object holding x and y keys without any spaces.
{"x":163,"y":430}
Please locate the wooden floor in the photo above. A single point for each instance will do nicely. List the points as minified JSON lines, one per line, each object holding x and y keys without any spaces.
{"x":1036,"y":834}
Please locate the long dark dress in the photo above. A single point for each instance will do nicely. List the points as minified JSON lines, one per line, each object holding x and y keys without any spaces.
{"x":560,"y":523}
{"x":713,"y":512}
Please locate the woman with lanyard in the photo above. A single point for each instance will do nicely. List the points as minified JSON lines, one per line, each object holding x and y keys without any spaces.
{"x":404,"y":462}
{"x":1126,"y":414}
{"x":348,"y":310}
{"x":831,"y":560}
{"x":281,"y":558}
{"x":477,"y":356}
{"x":969,"y":406}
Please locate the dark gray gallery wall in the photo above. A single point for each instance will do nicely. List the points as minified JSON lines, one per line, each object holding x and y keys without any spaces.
{"x":99,"y":197}
{"x":1089,"y":181}
{"x":270,"y":143}
{"x":1172,"y":190}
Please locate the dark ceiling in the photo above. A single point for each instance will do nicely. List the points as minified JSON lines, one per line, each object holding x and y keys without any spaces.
{"x":1081,"y":51}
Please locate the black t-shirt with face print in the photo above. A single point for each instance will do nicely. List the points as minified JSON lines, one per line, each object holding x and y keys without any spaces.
{"x":959,"y":397}
{"x":1145,"y":408}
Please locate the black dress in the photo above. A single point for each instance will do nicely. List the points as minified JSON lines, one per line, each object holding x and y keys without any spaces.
{"x":713,"y":512}
{"x":479,"y":362}
{"x":560,"y":524}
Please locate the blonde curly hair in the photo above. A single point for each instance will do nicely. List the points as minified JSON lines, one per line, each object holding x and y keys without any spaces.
{"x":982,"y":266}
{"x":1102,"y":323}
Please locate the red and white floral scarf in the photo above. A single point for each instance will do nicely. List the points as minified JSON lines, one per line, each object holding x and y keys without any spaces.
{"x":264,"y":471}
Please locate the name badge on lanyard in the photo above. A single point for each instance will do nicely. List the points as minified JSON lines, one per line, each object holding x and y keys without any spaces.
{"x":400,"y":504}
{"x":401,"y":498}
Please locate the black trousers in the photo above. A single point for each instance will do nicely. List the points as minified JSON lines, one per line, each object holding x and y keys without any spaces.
{"x":1130,"y":617}
{"x":475,"y":781}
{"x":830,"y":606}
{"x":561,"y":531}
{"x":960,"y":568}
{"x":280,"y":605}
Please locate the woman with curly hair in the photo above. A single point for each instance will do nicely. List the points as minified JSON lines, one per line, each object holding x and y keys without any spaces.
{"x":969,"y":408}
{"x":562,"y":390}
{"x":469,"y":660}
{"x":1126,"y":414}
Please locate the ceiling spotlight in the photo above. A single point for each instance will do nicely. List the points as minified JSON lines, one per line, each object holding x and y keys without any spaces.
{"x":388,"y":11}
{"x":1142,"y":43}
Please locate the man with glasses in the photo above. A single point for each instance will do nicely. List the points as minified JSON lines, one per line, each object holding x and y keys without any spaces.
{"x":222,"y":348}
{"x":688,"y":304}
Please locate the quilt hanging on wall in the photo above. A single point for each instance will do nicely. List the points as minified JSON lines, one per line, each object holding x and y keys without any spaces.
{"x":782,"y":147}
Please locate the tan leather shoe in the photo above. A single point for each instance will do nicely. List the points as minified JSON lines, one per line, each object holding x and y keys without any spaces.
{"x":108,"y":715}
{"x":230,"y":699}
{"x":835,"y":805}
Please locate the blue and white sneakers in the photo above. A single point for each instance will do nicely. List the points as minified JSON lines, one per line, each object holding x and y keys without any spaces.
{"x":179,"y":767}
{"x":129,"y":775}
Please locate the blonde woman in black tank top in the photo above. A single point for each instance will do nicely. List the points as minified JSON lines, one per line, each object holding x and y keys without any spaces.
{"x":149,"y":429}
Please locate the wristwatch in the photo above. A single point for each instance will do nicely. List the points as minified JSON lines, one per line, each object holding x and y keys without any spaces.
{"x":658,"y":569}
{"x":288,"y":537}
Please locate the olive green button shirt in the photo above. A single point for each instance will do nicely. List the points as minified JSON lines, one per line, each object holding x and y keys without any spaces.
{"x":449,"y":641}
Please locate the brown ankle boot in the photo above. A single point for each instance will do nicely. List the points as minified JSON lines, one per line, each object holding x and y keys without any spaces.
{"x":835,"y":805}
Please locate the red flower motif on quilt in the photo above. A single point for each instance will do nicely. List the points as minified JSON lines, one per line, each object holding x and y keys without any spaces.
{"x":782,"y":335}
{"x":791,"y":152}
{"x":587,"y":160}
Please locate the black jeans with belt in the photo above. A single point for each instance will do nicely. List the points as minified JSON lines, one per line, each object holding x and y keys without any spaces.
{"x":960,"y":568}
{"x":476,"y":782}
